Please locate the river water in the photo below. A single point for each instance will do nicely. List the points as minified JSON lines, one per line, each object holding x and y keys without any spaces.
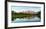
{"x":22,"y":20}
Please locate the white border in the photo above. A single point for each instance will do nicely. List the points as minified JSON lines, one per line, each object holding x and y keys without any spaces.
{"x":24,"y":24}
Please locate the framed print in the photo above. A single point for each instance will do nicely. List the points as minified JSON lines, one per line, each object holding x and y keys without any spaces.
{"x":24,"y":14}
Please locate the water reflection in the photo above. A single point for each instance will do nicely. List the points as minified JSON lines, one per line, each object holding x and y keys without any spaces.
{"x":27,"y":19}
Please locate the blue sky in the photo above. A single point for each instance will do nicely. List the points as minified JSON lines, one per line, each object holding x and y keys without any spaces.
{"x":25,"y":8}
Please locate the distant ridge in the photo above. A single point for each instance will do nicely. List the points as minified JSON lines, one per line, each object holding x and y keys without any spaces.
{"x":28,"y":12}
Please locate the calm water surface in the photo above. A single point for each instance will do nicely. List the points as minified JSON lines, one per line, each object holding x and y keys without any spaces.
{"x":20,"y":20}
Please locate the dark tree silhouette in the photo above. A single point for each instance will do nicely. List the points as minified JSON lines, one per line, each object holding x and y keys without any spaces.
{"x":38,"y":14}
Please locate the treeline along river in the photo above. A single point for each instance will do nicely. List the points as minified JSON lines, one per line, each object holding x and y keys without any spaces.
{"x":23,"y":17}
